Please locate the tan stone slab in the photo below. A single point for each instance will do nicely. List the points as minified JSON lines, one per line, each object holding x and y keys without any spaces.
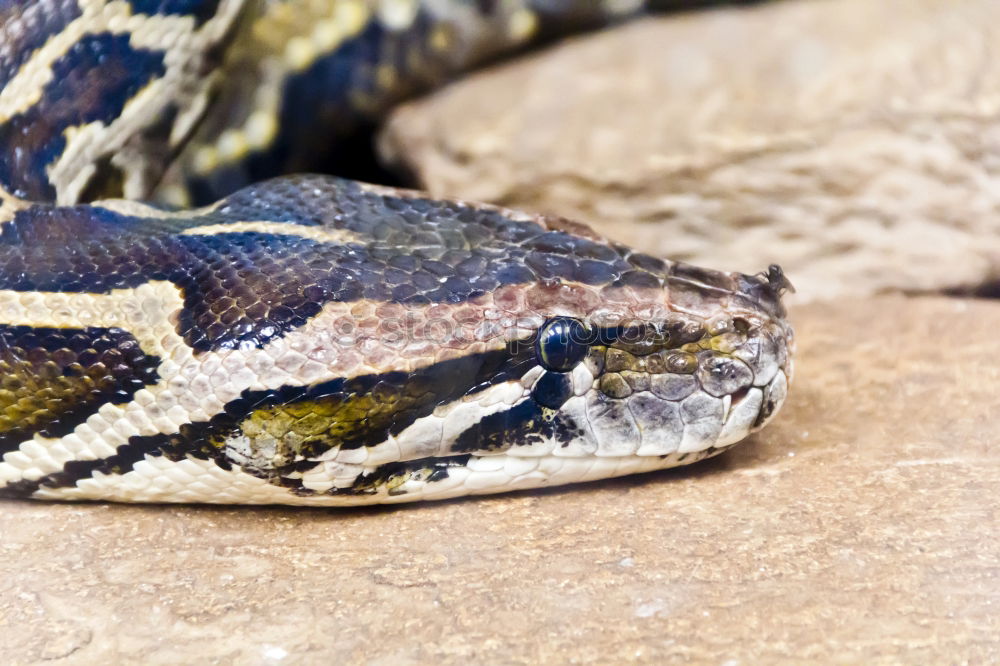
{"x":854,"y":142}
{"x":862,"y":527}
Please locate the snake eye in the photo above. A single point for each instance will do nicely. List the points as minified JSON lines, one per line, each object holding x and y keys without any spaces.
{"x":562,"y":343}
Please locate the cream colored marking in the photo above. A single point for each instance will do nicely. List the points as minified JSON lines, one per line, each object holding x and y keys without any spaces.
{"x":138,"y":209}
{"x":9,"y":205}
{"x":327,"y":35}
{"x":300,"y":53}
{"x":143,"y":311}
{"x":522,"y":25}
{"x":323,"y":234}
{"x":397,"y":15}
{"x":173,"y":194}
{"x":351,"y":15}
{"x":318,"y":233}
{"x":233,"y":145}
{"x":206,"y":159}
{"x":261,"y":128}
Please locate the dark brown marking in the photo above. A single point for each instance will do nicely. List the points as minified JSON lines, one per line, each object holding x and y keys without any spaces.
{"x":90,"y":83}
{"x":53,"y":379}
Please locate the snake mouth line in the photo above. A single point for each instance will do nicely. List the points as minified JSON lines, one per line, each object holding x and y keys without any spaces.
{"x":516,"y":467}
{"x":453,"y":476}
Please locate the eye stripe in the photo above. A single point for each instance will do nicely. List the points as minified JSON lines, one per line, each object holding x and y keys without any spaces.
{"x":524,"y":424}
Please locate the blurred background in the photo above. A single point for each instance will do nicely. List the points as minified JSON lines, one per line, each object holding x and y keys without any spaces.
{"x":853,"y":142}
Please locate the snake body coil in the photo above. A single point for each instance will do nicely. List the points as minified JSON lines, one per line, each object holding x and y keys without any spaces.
{"x":309,"y":339}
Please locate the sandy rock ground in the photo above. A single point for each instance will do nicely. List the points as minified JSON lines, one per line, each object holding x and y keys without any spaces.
{"x":853,"y":142}
{"x":856,"y":143}
{"x":861,"y":527}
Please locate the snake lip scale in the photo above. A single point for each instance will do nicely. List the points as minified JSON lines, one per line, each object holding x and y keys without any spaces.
{"x":314,"y":340}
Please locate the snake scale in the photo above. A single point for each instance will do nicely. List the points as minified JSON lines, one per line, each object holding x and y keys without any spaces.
{"x":183,"y":321}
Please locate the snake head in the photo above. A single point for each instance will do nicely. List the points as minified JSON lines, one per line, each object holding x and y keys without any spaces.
{"x":660,"y":372}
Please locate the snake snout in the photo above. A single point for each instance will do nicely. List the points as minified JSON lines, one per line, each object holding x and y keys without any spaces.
{"x":766,"y":289}
{"x":695,"y":398}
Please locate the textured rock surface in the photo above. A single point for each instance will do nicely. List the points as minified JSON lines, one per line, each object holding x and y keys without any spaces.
{"x":854,"y":142}
{"x":860,"y":527}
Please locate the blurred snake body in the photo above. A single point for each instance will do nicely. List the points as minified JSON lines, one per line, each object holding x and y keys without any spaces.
{"x":180,"y":322}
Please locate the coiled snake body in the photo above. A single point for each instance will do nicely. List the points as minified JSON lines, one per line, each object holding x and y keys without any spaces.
{"x":309,"y":339}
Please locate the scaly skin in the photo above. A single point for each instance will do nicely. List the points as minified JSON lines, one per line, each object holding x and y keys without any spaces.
{"x":312,"y":340}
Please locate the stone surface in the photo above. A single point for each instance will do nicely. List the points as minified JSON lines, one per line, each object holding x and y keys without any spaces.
{"x":854,"y":142}
{"x":861,"y":527}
